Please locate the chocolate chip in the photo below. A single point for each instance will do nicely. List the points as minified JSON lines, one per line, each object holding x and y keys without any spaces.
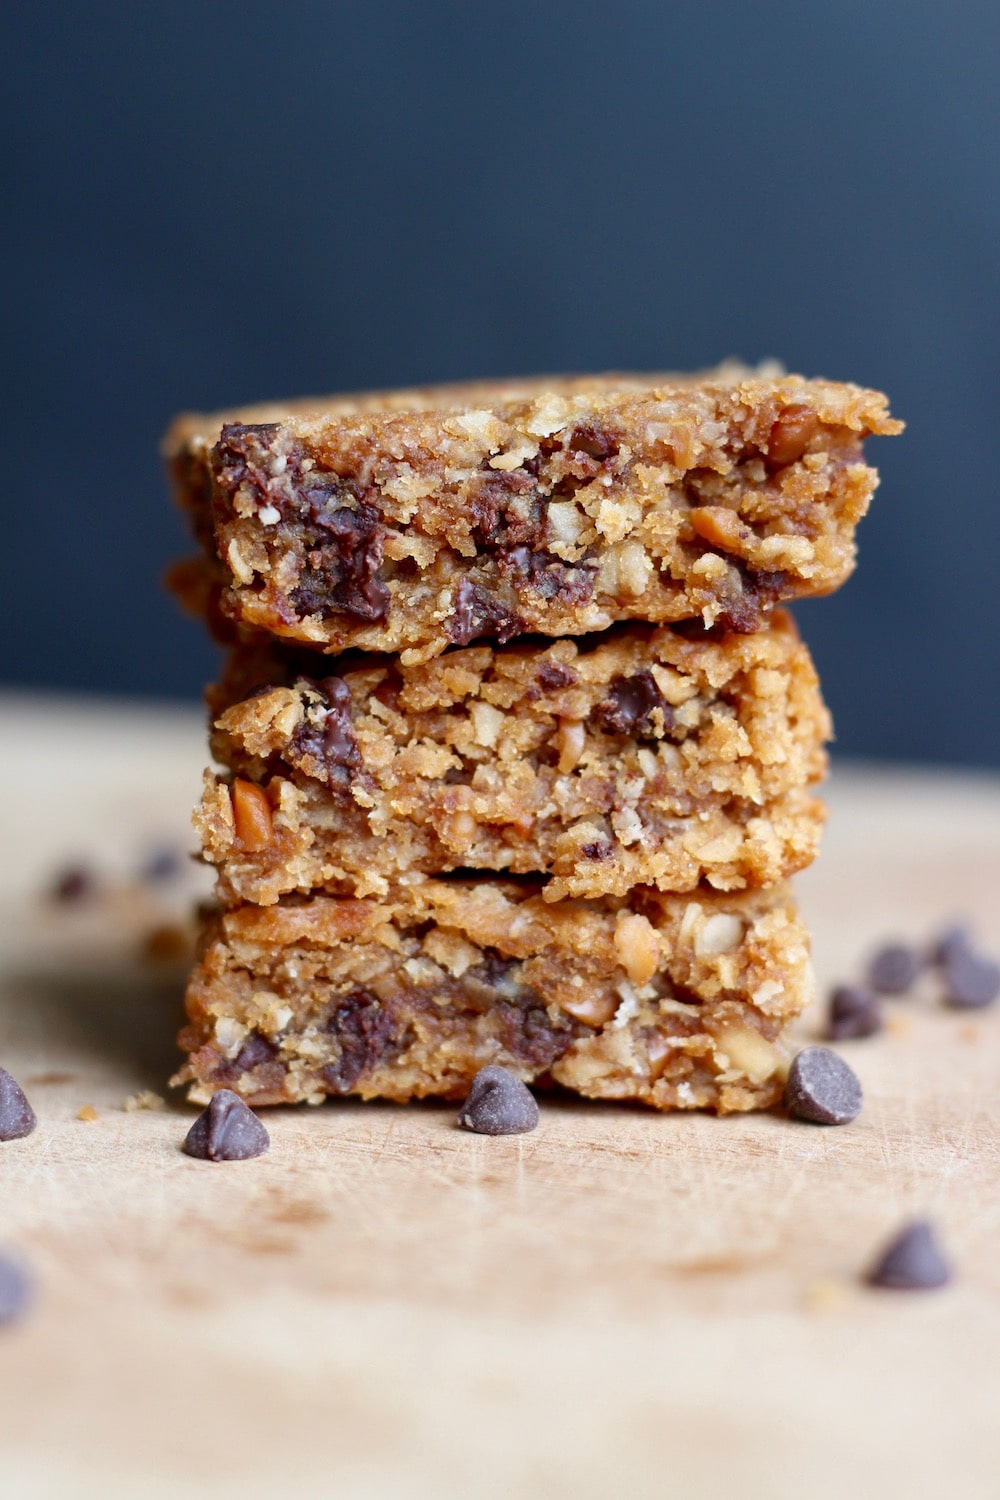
{"x":480,"y":613}
{"x":325,"y":735}
{"x":498,"y":1104}
{"x":17,"y":1118}
{"x":75,"y":883}
{"x":912,"y":1261}
{"x":595,"y":441}
{"x":16,"y":1290}
{"x":160,"y":865}
{"x":529,"y":1034}
{"x":971,"y":980}
{"x":748,"y":598}
{"x":228,"y":1130}
{"x":552,"y":675}
{"x":951,"y":941}
{"x":634,"y":706}
{"x":855,"y":1011}
{"x":342,"y":576}
{"x":894,"y":969}
{"x":822,"y":1089}
{"x":367,"y":1034}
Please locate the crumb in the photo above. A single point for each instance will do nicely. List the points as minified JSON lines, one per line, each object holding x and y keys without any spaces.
{"x":144,"y":1099}
{"x":87,"y":1113}
{"x":969,"y":1034}
{"x":898,"y":1025}
{"x":825,"y":1295}
{"x":165,"y":943}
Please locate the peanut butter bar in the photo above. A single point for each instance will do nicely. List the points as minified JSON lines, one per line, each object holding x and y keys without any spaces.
{"x":678,"y":1002}
{"x":416,"y":520}
{"x":639,"y":757}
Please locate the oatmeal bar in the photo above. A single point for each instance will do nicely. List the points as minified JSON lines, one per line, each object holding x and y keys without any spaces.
{"x":639,"y":757}
{"x":677,"y":1002}
{"x":416,"y":520}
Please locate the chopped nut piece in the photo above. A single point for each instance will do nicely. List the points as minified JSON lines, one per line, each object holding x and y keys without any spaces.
{"x":637,"y":946}
{"x":144,"y":1099}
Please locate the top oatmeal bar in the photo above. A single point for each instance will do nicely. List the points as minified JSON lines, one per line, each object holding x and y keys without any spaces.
{"x":411,"y":521}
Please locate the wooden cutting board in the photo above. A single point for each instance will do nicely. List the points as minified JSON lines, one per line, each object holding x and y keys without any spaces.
{"x":620,"y":1303}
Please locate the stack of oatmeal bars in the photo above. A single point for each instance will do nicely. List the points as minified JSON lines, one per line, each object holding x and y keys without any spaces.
{"x":518,"y":748}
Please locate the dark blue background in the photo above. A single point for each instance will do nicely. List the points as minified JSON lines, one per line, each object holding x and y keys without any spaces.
{"x":213,"y":203}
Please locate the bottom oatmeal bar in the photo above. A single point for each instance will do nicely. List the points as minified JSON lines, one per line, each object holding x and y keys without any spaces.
{"x":676,"y":1001}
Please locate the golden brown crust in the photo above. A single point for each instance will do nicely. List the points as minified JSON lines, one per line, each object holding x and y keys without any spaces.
{"x":409,"y":521}
{"x":676,"y":1002}
{"x":642,"y":758}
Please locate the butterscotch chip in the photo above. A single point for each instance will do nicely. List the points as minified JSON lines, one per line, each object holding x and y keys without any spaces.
{"x":252,"y":824}
{"x":411,"y":521}
{"x":412,"y":994}
{"x":645,"y":759}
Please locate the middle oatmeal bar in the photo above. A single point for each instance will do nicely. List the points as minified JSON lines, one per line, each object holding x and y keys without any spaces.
{"x":640,"y":757}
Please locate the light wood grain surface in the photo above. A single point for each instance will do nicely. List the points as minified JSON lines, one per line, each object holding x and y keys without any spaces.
{"x":619,"y":1304}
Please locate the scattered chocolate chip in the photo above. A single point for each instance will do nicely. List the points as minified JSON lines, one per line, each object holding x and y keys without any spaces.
{"x":971,"y":980}
{"x":953,"y":940}
{"x":16,"y":1290}
{"x":822,"y":1088}
{"x":912,"y":1261}
{"x":498,"y":1104}
{"x":75,"y":883}
{"x":634,"y":706}
{"x":17,"y":1118}
{"x":159,"y":866}
{"x":228,"y":1130}
{"x":855,"y":1011}
{"x":894,"y":969}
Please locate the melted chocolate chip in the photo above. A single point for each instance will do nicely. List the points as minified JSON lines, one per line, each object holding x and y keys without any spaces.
{"x":498,"y":1104}
{"x":855,"y":1011}
{"x":552,"y":675}
{"x":547,"y":574}
{"x":17,"y":1118}
{"x":228,"y":1130}
{"x":529,"y":1033}
{"x":911,"y":1262}
{"x":480,"y":613}
{"x":506,"y":509}
{"x":744,"y":608}
{"x":822,"y":1089}
{"x":16,"y":1290}
{"x":895,"y":969}
{"x":342,"y":575}
{"x":367,"y":1035}
{"x":596,"y":442}
{"x":631,"y":705}
{"x":340,"y":534}
{"x":325,"y":735}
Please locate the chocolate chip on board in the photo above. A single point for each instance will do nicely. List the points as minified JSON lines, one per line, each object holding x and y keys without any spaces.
{"x":894,"y":969}
{"x":971,"y":981}
{"x":822,"y":1089}
{"x":498,"y":1104}
{"x":228,"y":1130}
{"x":953,"y":940}
{"x":17,"y":1118}
{"x":855,"y":1011}
{"x":911,"y":1262}
{"x":75,"y":883}
{"x":16,"y":1290}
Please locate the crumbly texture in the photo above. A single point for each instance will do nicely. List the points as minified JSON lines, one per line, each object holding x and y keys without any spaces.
{"x":416,"y":520}
{"x":645,"y":759}
{"x":678,"y":1003}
